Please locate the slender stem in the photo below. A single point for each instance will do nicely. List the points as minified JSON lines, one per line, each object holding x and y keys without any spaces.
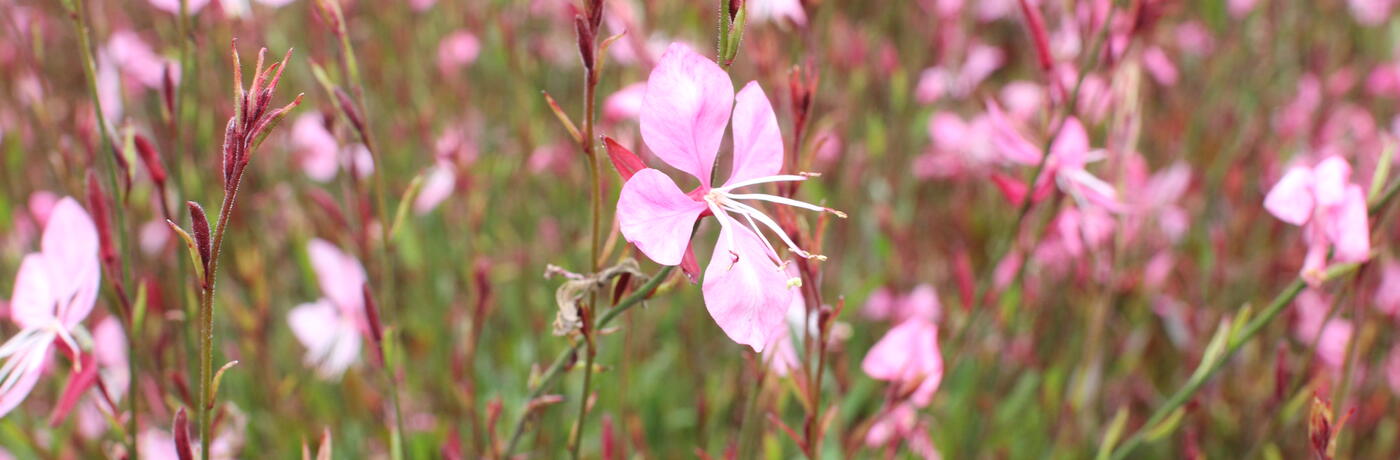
{"x":206,"y":321}
{"x":77,"y":11}
{"x":595,"y":194}
{"x":1208,"y":368}
{"x":547,"y":379}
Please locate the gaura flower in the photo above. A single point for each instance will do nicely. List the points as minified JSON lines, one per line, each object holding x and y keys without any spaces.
{"x":331,"y":327}
{"x":1331,"y":211}
{"x":1069,"y":155}
{"x":908,"y":356}
{"x":901,"y":424}
{"x":687,"y":103}
{"x":55,"y":290}
{"x":921,"y":302}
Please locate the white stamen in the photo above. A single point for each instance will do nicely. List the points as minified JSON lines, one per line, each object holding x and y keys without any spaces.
{"x":762,"y":180}
{"x":767,"y":221}
{"x":786,"y":201}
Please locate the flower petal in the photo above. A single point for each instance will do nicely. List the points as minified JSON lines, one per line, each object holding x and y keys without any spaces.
{"x":758,"y":145}
{"x":745,"y":291}
{"x":332,"y":342}
{"x":340,"y":276}
{"x":1291,"y":199}
{"x":70,"y":249}
{"x":32,"y":303}
{"x":1331,"y":177}
{"x":656,"y":216}
{"x":1350,"y":231}
{"x":30,"y":367}
{"x":685,"y":109}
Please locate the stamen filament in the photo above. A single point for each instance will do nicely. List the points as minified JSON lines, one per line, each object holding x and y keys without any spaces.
{"x":786,"y":201}
{"x":763,"y":180}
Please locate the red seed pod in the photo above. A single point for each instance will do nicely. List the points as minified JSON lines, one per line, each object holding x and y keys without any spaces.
{"x":348,"y":107}
{"x":586,"y":37}
{"x":200,"y":224}
{"x":626,"y":162}
{"x":167,"y":89}
{"x":183,"y":447}
{"x":734,"y":7}
{"x":97,"y":201}
{"x":376,"y":330}
{"x":151,"y":158}
{"x":1036,"y":23}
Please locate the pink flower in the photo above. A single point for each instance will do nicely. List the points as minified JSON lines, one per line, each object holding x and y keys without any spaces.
{"x":456,"y":51}
{"x":136,"y":59}
{"x":1370,"y":12}
{"x":901,"y":423}
{"x":1159,"y":66}
{"x":688,"y":101}
{"x":1331,"y":211}
{"x":777,"y":11}
{"x":908,"y":356}
{"x":438,"y":185}
{"x":1312,"y":324}
{"x":1069,"y":154}
{"x":625,"y":104}
{"x":331,"y":327}
{"x":315,"y":146}
{"x":173,"y":6}
{"x":109,"y":346}
{"x":921,"y":302}
{"x":1387,"y":298}
{"x":979,"y":63}
{"x":55,"y":290}
{"x":1241,"y":8}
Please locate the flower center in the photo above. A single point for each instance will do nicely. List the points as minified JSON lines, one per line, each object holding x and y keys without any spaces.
{"x":726,"y":205}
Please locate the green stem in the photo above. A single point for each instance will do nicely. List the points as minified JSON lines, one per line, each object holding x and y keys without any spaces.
{"x":1210,"y":367}
{"x":552,"y":373}
{"x":77,"y":11}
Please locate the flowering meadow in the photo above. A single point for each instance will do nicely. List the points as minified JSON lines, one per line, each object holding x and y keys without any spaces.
{"x":713,"y":229}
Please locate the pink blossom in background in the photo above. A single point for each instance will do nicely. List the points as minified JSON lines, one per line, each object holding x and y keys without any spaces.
{"x":153,"y":236}
{"x":625,"y":104}
{"x":1194,"y":38}
{"x":1069,"y":154}
{"x":1387,"y":298}
{"x":688,"y":102}
{"x":1312,"y":307}
{"x":315,"y":146}
{"x":136,"y":59}
{"x":901,"y":424}
{"x":980,"y":61}
{"x":958,"y":149}
{"x":1370,"y":12}
{"x":921,"y":302}
{"x":780,"y":11}
{"x":41,"y":205}
{"x":1384,"y":80}
{"x":1331,"y":210}
{"x":173,"y":6}
{"x":1159,"y":66}
{"x":908,"y":356}
{"x":1296,"y":117}
{"x":331,"y":327}
{"x":421,"y":5}
{"x":1022,"y":99}
{"x":1241,"y":8}
{"x":457,"y":50}
{"x":54,"y":291}
{"x":362,"y":158}
{"x":109,"y":348}
{"x":438,"y":184}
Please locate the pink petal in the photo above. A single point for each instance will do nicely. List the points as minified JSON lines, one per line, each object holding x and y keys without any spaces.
{"x":340,"y":276}
{"x":758,"y":145}
{"x":30,"y":367}
{"x":436,"y":188}
{"x":1331,"y":177}
{"x":948,"y":131}
{"x":880,"y":305}
{"x":1159,"y":66}
{"x":745,"y":291}
{"x":922,"y":303}
{"x":332,"y":342}
{"x":1291,"y":199}
{"x":32,"y":304}
{"x":933,"y":84}
{"x":1071,"y":145}
{"x":70,"y":248}
{"x":909,"y":353}
{"x":1351,"y":234}
{"x":656,"y":216}
{"x":626,"y":103}
{"x":685,"y":109}
{"x":1013,"y":146}
{"x":109,"y":347}
{"x":1387,"y":298}
{"x":316,"y":148}
{"x":457,"y":50}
